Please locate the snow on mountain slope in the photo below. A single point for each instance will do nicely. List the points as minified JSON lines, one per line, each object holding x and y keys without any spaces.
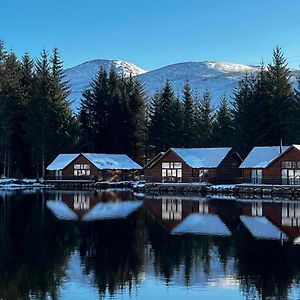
{"x":218,"y":77}
{"x":81,"y":75}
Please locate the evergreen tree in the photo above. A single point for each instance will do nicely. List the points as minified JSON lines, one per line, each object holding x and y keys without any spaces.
{"x":112,"y":115}
{"x":204,"y":121}
{"x":223,"y":125}
{"x":10,"y":111}
{"x":188,"y":130}
{"x":50,"y":127}
{"x":283,"y":106}
{"x":164,"y":131}
{"x":244,"y":114}
{"x":136,"y":119}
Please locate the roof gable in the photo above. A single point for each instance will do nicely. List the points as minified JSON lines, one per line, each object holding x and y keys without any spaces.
{"x":99,"y":160}
{"x":202,"y":157}
{"x":61,"y":161}
{"x":261,"y":157}
{"x":112,"y":161}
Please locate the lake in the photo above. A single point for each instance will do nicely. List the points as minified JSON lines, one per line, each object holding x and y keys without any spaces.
{"x":116,"y":245}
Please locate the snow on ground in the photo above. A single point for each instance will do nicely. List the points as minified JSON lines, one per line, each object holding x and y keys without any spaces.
{"x":113,"y":210}
{"x":61,"y":210}
{"x":202,"y":224}
{"x":262,"y":228}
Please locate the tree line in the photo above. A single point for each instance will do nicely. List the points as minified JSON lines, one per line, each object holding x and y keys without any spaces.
{"x":117,"y":116}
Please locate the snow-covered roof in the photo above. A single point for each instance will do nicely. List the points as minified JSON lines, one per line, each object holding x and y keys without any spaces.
{"x":61,"y":161}
{"x":202,"y":157}
{"x":112,"y":161}
{"x":202,"y":224}
{"x":262,"y":228}
{"x":101,"y":161}
{"x":261,"y":157}
{"x":114,"y":210}
{"x":61,"y":210}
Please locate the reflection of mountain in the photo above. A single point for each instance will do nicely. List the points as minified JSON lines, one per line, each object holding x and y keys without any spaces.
{"x":88,"y":206}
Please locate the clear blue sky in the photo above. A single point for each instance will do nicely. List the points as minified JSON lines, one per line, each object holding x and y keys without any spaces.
{"x":154,"y":33}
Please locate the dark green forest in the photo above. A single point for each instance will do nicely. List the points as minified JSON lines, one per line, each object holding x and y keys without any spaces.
{"x":116,"y":116}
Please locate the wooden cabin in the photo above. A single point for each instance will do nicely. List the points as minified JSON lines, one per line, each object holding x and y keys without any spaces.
{"x":93,"y":166}
{"x":214,"y":165}
{"x":272,"y":165}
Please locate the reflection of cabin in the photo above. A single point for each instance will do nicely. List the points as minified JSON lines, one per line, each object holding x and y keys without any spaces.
{"x":215,"y":165}
{"x":272,"y":165}
{"x":93,"y":166}
{"x":285,"y":216}
{"x":89,"y":206}
{"x":179,"y":216}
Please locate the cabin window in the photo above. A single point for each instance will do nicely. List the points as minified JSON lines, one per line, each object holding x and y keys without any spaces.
{"x":290,"y":165}
{"x":171,"y":209}
{"x":290,"y":176}
{"x":256,"y":175}
{"x":171,"y":171}
{"x":203,"y":173}
{"x":82,"y":170}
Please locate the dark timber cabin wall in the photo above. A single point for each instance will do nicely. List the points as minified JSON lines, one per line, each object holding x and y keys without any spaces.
{"x":154,"y":173}
{"x":100,"y":175}
{"x":228,"y":170}
{"x":69,"y":169}
{"x":272,"y":173}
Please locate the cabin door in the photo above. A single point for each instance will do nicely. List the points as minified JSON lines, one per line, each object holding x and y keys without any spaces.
{"x":256,"y":176}
{"x":58,"y":174}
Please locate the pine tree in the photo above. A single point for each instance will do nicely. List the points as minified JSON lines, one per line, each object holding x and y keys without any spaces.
{"x":281,"y":98}
{"x":223,"y":125}
{"x":164,"y":126}
{"x":136,"y":119}
{"x":188,"y":129}
{"x":244,"y":114}
{"x":204,"y":121}
{"x":10,"y":110}
{"x":38,"y":130}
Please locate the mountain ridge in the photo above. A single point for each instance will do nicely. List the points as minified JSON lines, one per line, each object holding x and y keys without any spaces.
{"x":218,"y":77}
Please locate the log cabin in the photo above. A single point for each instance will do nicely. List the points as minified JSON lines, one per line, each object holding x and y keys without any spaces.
{"x":213,"y":165}
{"x":272,"y":165}
{"x":93,"y":166}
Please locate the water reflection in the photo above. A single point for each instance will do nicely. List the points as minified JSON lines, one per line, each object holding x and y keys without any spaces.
{"x":111,"y":244}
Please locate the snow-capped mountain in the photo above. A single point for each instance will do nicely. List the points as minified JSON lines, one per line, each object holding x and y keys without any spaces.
{"x":218,"y":77}
{"x":81,"y":75}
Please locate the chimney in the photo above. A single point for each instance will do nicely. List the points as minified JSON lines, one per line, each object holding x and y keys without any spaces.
{"x":280,"y":146}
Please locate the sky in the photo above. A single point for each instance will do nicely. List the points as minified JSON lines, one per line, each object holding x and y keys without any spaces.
{"x":155,"y":33}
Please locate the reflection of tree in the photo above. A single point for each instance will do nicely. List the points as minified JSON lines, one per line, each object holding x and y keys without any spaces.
{"x":266,"y":268}
{"x":190,"y":251}
{"x":113,"y":250}
{"x":34,"y":248}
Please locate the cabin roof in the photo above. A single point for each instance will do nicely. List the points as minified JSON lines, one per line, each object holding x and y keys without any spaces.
{"x":202,"y":224}
{"x":202,"y":157}
{"x":261,"y":157}
{"x":101,"y":161}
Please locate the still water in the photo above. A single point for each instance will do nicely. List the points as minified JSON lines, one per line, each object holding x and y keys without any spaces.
{"x":117,"y":245}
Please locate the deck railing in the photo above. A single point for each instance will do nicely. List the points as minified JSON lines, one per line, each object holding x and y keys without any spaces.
{"x":53,"y":177}
{"x":272,"y":181}
{"x":172,"y":179}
